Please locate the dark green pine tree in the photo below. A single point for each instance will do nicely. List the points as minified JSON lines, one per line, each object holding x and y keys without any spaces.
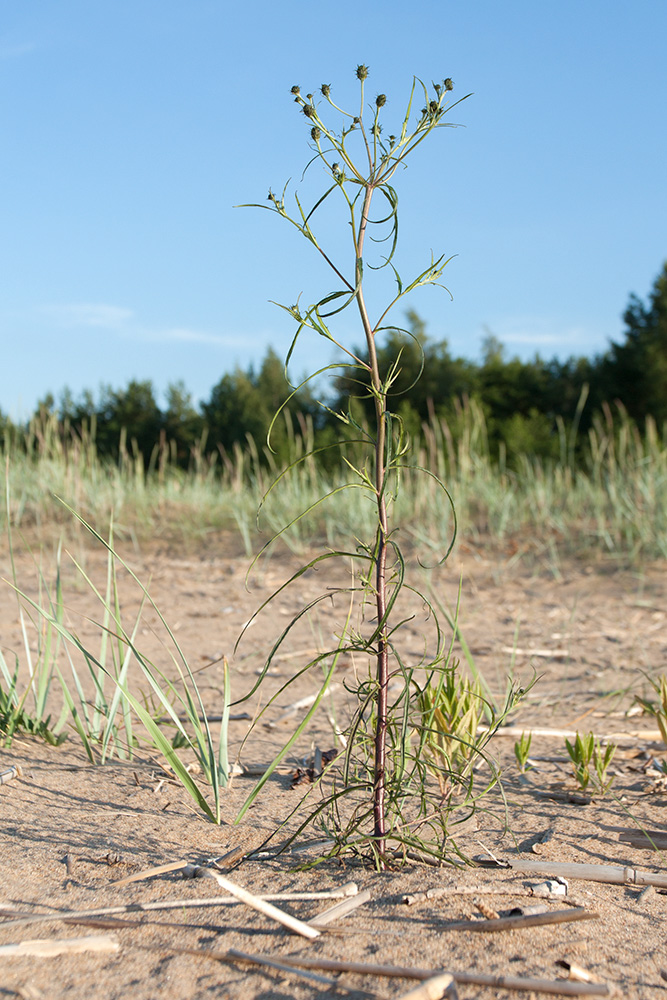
{"x":635,"y":371}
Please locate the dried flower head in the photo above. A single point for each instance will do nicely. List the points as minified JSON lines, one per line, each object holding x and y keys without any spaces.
{"x":326,"y":89}
{"x":309,"y":111}
{"x":449,"y":85}
{"x":315,"y":133}
{"x":362,"y":72}
{"x":295,"y":90}
{"x":381,"y":100}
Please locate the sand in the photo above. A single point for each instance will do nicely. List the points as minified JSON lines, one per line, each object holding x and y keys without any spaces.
{"x":70,"y":830}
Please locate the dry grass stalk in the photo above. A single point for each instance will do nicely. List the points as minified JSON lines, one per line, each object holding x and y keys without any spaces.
{"x":233,"y":955}
{"x":613,"y":874}
{"x":340,"y":909}
{"x":560,"y":987}
{"x":547,"y":654}
{"x":645,"y":839}
{"x":297,"y":706}
{"x":465,"y":890}
{"x":18,"y":920}
{"x":516,"y":732}
{"x":48,"y":947}
{"x":172,"y":866}
{"x":262,"y":906}
{"x":527,"y":920}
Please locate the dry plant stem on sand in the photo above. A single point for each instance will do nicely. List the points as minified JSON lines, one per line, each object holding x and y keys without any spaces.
{"x":559,"y":987}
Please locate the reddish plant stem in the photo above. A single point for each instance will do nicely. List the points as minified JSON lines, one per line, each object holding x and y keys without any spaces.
{"x":382,"y":671}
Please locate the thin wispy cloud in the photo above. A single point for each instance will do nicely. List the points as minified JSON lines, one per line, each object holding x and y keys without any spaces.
{"x":540,"y":332}
{"x":15,"y":50}
{"x":89,"y":314}
{"x":125,"y":323}
{"x":185,"y":335}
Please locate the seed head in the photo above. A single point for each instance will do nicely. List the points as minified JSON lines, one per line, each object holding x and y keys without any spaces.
{"x":326,"y":89}
{"x":309,"y":111}
{"x":315,"y":134}
{"x":381,"y":100}
{"x":356,"y":120}
{"x":362,"y":72}
{"x":309,"y":97}
{"x":295,"y":90}
{"x":449,"y":84}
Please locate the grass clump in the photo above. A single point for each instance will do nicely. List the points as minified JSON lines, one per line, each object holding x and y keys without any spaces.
{"x":115,"y":698}
{"x":591,"y":761}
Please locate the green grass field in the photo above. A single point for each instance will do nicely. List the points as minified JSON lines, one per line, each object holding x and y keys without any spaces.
{"x":610,"y":501}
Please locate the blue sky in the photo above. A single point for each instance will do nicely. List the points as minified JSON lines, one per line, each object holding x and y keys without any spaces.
{"x":130,"y":129}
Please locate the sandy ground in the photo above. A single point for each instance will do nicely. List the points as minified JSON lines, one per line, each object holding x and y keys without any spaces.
{"x":69,"y":831}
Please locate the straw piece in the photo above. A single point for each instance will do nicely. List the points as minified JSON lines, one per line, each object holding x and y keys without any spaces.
{"x":48,"y":947}
{"x":9,"y":773}
{"x":297,"y":706}
{"x":229,"y":857}
{"x":486,"y":911}
{"x":576,"y":972}
{"x":551,"y":654}
{"x":647,"y":840}
{"x":442,"y":985}
{"x":465,"y":890}
{"x":286,"y":919}
{"x":561,"y":987}
{"x":651,"y":735}
{"x":516,"y":923}
{"x":170,"y":904}
{"x":340,"y":909}
{"x":272,"y":963}
{"x":149,"y":872}
{"x":614,"y":874}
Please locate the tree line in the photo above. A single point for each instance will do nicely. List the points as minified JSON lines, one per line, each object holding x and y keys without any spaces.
{"x":523,"y":401}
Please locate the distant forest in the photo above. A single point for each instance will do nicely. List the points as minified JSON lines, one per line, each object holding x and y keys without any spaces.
{"x":524,"y":402}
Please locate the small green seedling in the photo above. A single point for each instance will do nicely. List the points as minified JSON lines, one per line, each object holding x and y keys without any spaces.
{"x":450,"y":714}
{"x":522,"y":752}
{"x":587,"y":753}
{"x":657,"y":710}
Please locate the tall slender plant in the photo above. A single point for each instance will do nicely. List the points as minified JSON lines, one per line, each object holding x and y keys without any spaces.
{"x":360,"y":163}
